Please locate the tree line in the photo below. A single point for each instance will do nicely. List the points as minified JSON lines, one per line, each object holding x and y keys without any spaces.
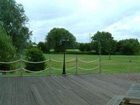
{"x":13,"y":27}
{"x":110,"y":46}
{"x":100,"y":40}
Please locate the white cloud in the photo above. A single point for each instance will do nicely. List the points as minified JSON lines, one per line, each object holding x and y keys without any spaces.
{"x":81,"y":17}
{"x":128,"y":27}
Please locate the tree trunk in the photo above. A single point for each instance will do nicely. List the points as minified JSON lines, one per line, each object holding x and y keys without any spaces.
{"x":109,"y":56}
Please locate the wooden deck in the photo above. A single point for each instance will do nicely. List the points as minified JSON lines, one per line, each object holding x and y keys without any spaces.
{"x":58,"y":90}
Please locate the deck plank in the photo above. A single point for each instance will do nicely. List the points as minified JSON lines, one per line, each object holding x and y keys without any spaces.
{"x":64,"y":90}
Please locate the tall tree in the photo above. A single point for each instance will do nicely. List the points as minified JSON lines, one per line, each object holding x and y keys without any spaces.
{"x":7,"y":50}
{"x":57,"y":36}
{"x":105,"y":41}
{"x":14,"y":21}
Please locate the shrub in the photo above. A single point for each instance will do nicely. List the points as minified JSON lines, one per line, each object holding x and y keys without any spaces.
{"x":35,"y":55}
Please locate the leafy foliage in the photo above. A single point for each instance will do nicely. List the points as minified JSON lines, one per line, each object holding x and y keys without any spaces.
{"x":7,"y":50}
{"x":35,"y":55}
{"x":14,"y":21}
{"x":85,"y":47}
{"x":57,"y":36}
{"x":128,"y":47}
{"x":105,"y":41}
{"x":43,"y":46}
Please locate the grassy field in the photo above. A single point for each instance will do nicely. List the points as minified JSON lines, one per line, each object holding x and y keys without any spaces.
{"x":117,"y":64}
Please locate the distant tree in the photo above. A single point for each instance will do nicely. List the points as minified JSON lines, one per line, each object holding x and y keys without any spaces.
{"x":105,"y":41}
{"x":29,"y":44}
{"x":81,"y":47}
{"x":85,"y":47}
{"x":128,"y":47}
{"x":14,"y":21}
{"x":7,"y":50}
{"x":77,"y":44}
{"x":56,"y":37}
{"x":43,"y":46}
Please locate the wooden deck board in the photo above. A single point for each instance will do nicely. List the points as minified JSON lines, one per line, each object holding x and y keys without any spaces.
{"x":134,"y":91}
{"x":59,"y":90}
{"x":116,"y":100}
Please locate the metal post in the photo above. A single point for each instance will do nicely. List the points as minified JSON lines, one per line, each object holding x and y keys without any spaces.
{"x":50,"y":65}
{"x":63,"y":41}
{"x":100,"y":71}
{"x":76,"y":65}
{"x":64,"y":65}
{"x":21,"y":73}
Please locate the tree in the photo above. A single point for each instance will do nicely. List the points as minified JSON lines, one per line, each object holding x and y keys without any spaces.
{"x":85,"y":47}
{"x":43,"y":46}
{"x":7,"y":50}
{"x":105,"y":41}
{"x":14,"y":21}
{"x":128,"y":47}
{"x":81,"y":47}
{"x":55,"y":39}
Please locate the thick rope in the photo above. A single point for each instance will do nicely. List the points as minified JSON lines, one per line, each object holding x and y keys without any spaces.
{"x":9,"y":71}
{"x":40,"y":71}
{"x":56,"y":61}
{"x":56,"y":68}
{"x":88,"y":69}
{"x":35,"y":62}
{"x":71,"y":68}
{"x":71,"y":60}
{"x":59,"y":69}
{"x":47,"y":61}
{"x":88,"y":61}
{"x":10,"y":62}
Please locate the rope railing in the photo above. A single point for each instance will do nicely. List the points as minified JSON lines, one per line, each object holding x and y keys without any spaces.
{"x":71,"y":60}
{"x":87,"y":61}
{"x":10,"y":62}
{"x":71,"y":68}
{"x":30,"y":71}
{"x":50,"y":67}
{"x":35,"y":62}
{"x":9,"y":71}
{"x":56,"y":61}
{"x":58,"y":69}
{"x":88,"y":69}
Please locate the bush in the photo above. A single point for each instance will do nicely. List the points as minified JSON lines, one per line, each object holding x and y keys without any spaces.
{"x":35,"y":55}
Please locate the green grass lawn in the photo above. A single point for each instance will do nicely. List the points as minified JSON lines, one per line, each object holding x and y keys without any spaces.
{"x":117,"y":64}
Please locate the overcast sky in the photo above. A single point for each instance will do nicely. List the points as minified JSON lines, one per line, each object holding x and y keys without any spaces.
{"x":83,"y":18}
